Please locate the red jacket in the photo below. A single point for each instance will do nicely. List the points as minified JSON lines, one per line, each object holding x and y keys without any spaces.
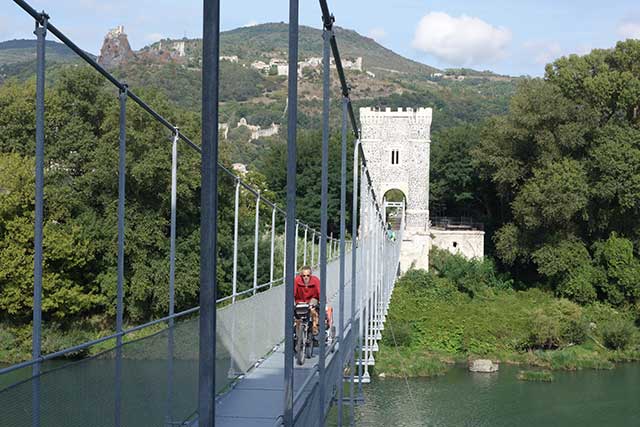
{"x":304,"y":293}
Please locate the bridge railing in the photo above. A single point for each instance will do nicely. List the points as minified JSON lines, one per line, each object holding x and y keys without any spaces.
{"x":307,"y":242}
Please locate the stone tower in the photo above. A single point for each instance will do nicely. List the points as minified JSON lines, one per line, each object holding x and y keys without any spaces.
{"x":397,"y":146}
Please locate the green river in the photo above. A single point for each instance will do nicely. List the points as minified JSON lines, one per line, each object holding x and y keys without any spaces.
{"x":462,"y":398}
{"x":459,"y":398}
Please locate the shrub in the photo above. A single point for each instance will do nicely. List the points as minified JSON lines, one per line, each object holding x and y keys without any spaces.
{"x":469,"y":276}
{"x":579,"y":286}
{"x":557,"y":324}
{"x":545,"y":331}
{"x":397,"y":333}
{"x":617,"y":333}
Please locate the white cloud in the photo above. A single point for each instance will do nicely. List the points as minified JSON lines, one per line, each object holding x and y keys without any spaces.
{"x":543,"y":52}
{"x":251,"y":23}
{"x":153,"y":37}
{"x":463,"y":40}
{"x":629,"y":30}
{"x":377,"y":33}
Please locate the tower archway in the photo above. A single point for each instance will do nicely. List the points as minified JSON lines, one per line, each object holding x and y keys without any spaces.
{"x":394,"y":207}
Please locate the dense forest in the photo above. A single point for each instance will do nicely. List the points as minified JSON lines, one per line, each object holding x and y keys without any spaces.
{"x":556,"y":178}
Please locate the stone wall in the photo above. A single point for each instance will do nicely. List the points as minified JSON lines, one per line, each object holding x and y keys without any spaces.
{"x":469,"y":243}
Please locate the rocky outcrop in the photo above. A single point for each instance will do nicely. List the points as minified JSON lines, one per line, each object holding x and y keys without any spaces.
{"x":483,"y":365}
{"x":115,"y":49}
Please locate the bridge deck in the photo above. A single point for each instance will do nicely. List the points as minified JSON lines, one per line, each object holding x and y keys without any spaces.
{"x":258,"y":398}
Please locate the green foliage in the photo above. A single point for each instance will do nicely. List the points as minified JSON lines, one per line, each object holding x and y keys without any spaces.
{"x":537,"y":376}
{"x":575,"y":358}
{"x":455,"y":187}
{"x":618,"y":333}
{"x":402,"y":361}
{"x":400,"y":334}
{"x":80,"y":232}
{"x":565,"y":160}
{"x":469,"y":276}
{"x":308,"y":191}
{"x":615,"y":256}
{"x":559,"y":323}
{"x":531,"y":327}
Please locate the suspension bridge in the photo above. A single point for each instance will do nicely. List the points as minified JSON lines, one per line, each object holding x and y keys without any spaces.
{"x":229,"y":361}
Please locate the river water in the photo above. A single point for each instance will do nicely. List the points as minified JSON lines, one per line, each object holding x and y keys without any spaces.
{"x":462,"y":398}
{"x":459,"y":398}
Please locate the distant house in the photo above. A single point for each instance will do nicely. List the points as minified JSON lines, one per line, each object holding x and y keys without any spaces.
{"x":257,"y":132}
{"x":261,"y":66}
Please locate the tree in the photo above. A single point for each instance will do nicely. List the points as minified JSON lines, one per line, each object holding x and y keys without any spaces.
{"x":566,"y":161}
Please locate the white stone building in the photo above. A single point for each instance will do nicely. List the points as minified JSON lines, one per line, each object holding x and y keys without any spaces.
{"x":261,"y":66}
{"x":258,"y":132}
{"x":397,"y":147}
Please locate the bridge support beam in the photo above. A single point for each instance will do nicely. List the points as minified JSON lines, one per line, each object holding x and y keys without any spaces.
{"x":324,"y":190}
{"x":290,"y":238}
{"x":208,"y":214}
{"x":41,"y":32}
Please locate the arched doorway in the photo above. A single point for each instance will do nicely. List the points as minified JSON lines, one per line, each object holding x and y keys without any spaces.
{"x":394,"y":207}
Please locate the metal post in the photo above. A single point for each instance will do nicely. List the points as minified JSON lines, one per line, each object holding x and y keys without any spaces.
{"x":354,"y":274}
{"x":273,"y":239}
{"x":234,"y":279}
{"x":313,"y":247}
{"x":331,"y":245}
{"x":284,"y":253}
{"x":343,"y":226}
{"x":172,"y":272}
{"x":323,"y":218}
{"x":306,"y":232}
{"x":296,"y":250}
{"x":291,"y":211}
{"x":255,"y":246}
{"x":121,"y":220}
{"x":174,"y":198}
{"x":209,"y":210}
{"x":368,"y":295}
{"x":236,"y":214}
{"x":41,"y":33}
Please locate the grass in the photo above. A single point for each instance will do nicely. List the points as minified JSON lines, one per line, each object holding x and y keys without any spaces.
{"x":537,"y":376}
{"x":435,"y":323}
{"x":401,"y":361}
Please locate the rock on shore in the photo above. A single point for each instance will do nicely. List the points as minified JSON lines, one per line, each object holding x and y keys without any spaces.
{"x":483,"y":365}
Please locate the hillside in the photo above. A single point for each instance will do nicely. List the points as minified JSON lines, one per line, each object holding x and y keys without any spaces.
{"x":15,"y":51}
{"x":253,"y":83}
{"x":270,"y":41}
{"x":260,"y":40}
{"x":18,"y":57}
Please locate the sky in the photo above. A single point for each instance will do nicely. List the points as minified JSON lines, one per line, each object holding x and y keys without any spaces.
{"x":516,"y":37}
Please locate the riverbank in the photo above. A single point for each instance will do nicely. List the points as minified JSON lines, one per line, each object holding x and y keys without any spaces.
{"x":436,"y":321}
